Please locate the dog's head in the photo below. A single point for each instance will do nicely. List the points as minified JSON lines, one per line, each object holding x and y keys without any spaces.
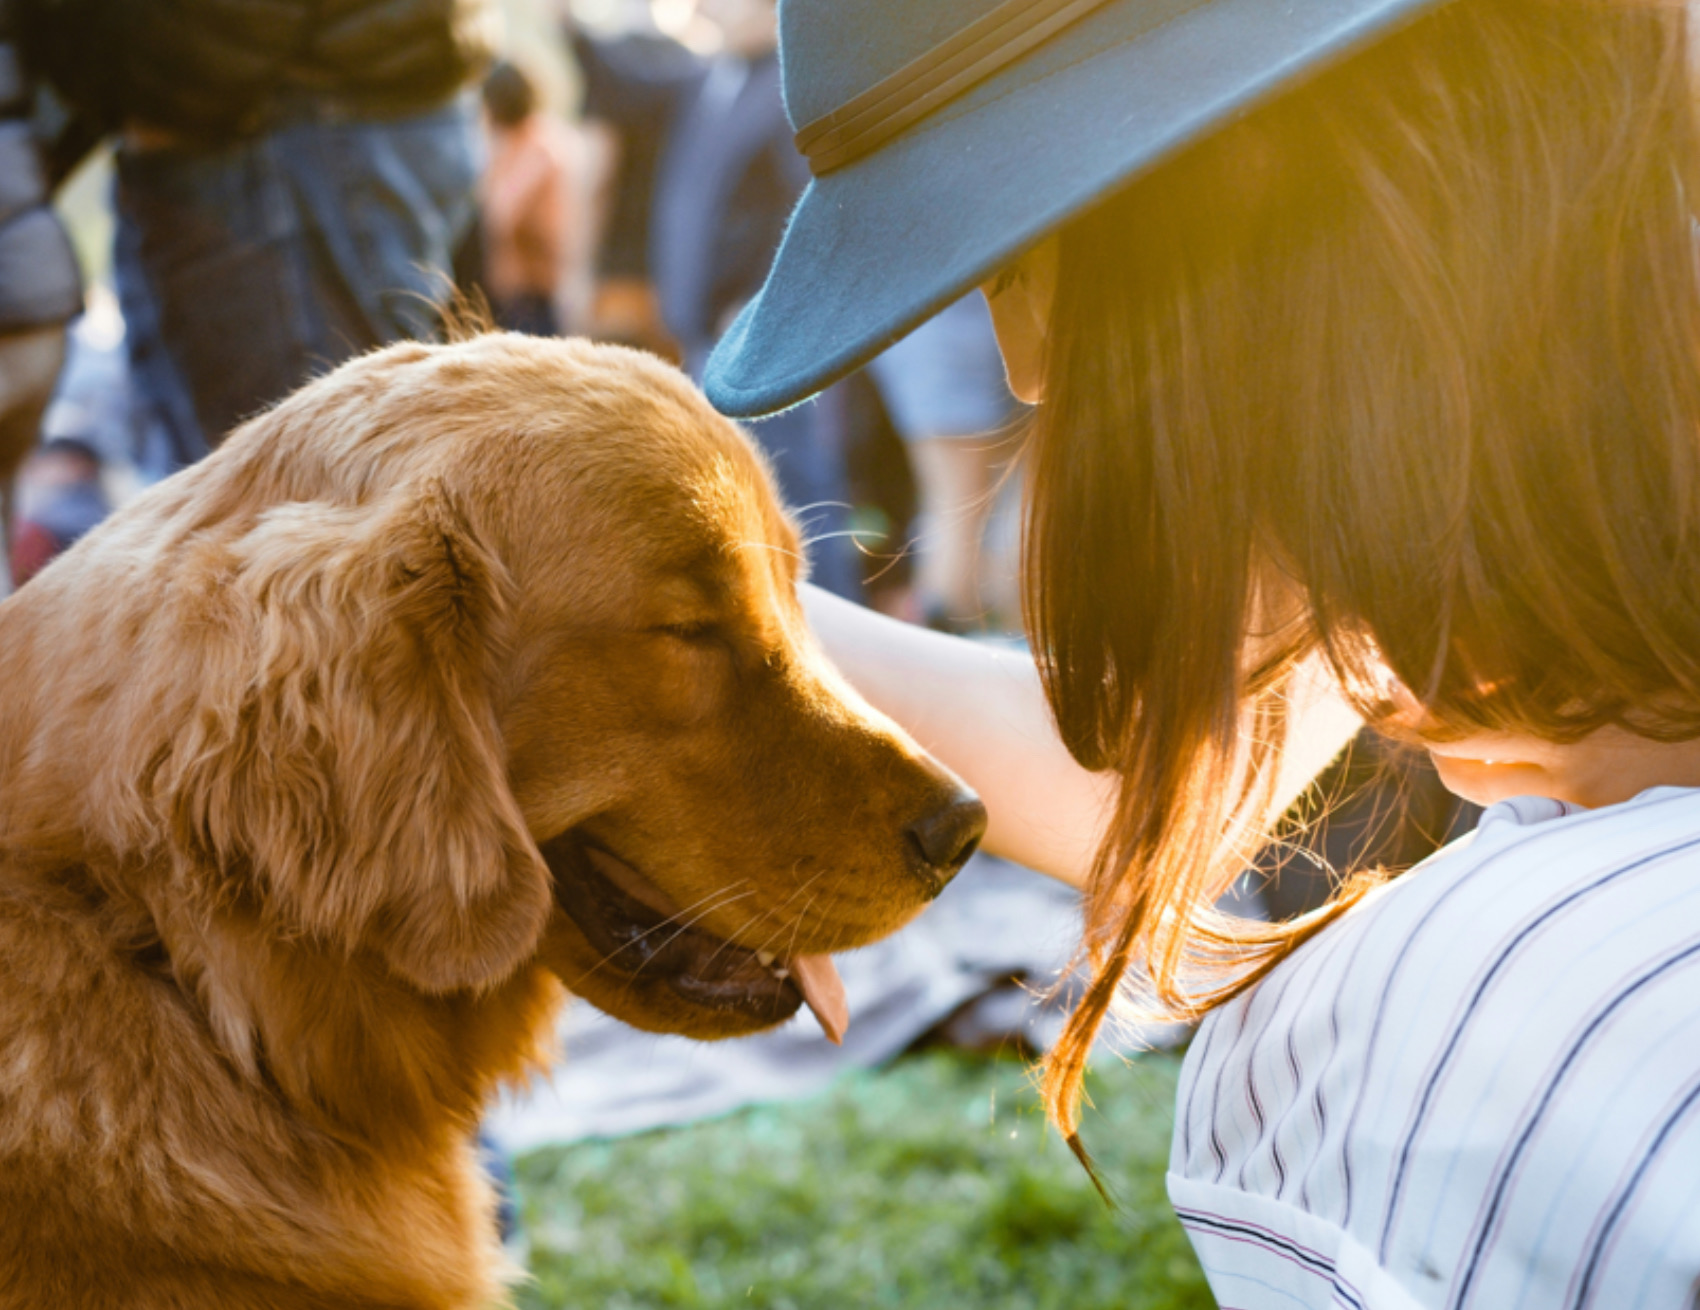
{"x":500,"y":659}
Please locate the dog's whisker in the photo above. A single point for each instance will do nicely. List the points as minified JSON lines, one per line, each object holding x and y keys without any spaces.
{"x":768,"y":545}
{"x":685,"y":920}
{"x":797,"y":923}
{"x":778,"y":932}
{"x":892,"y":559}
{"x":858,"y":537}
{"x":772,"y":939}
{"x":750,"y":925}
{"x":716,"y":900}
{"x":688,"y":925}
{"x":704,"y":903}
{"x":813,"y":505}
{"x":801,"y":887}
{"x":766,"y":945}
{"x":745,"y":931}
{"x":855,"y":534}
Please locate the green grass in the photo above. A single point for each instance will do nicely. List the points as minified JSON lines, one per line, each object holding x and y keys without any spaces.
{"x":933,"y":1183}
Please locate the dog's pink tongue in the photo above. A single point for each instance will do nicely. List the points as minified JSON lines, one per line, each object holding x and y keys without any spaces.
{"x":817,"y":977}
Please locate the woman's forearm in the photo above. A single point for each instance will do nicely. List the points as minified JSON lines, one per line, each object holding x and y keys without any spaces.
{"x":982,"y":712}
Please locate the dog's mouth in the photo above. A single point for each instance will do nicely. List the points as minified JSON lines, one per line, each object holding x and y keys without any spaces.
{"x":640,"y":933}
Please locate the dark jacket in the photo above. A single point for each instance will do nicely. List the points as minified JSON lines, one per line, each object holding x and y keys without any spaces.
{"x":39,"y":284}
{"x":728,"y":181}
{"x":212,"y":70}
{"x":636,"y":84}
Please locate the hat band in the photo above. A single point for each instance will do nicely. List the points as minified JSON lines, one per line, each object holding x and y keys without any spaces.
{"x":986,"y":46}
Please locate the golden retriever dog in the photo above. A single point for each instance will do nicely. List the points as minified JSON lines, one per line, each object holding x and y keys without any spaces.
{"x":466,"y":675}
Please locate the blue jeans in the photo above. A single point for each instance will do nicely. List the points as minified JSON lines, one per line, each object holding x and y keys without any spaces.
{"x":245,"y":271}
{"x":530,"y":312}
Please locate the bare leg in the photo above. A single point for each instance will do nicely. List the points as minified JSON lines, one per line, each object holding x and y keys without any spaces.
{"x":957,"y":480}
{"x":29,"y":366}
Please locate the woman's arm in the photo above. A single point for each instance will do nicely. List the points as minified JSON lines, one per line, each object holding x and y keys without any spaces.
{"x":981,"y":710}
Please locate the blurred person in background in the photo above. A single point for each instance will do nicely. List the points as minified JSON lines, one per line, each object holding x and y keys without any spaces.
{"x":526,"y":202}
{"x":702,"y":227}
{"x":40,"y":289}
{"x":61,"y":497}
{"x":705,"y":174}
{"x":635,"y":79}
{"x":943,"y":386}
{"x":292,"y":178}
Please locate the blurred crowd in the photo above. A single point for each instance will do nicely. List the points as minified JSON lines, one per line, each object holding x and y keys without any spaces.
{"x":297,"y":182}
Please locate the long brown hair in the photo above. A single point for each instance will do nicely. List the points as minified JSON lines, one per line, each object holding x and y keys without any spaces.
{"x":1402,"y":371}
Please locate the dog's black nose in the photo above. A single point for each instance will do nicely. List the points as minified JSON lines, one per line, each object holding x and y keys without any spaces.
{"x":942,"y":840}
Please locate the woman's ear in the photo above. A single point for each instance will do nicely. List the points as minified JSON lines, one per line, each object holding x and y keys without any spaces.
{"x":346,"y":763}
{"x":1020,"y":298}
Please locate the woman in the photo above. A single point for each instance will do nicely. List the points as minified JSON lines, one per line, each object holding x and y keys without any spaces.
{"x":1367,"y":336}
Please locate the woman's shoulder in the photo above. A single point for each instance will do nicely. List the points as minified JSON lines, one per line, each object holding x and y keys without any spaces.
{"x":1533,"y":873}
{"x":1542,"y":901}
{"x":1477,"y":1069}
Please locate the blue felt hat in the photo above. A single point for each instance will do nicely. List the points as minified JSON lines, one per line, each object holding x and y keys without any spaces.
{"x":946,"y":136}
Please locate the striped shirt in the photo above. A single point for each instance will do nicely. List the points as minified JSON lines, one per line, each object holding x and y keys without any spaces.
{"x":1481,"y":1089}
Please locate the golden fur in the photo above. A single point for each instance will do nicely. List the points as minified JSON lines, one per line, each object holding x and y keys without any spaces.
{"x":297,"y":753}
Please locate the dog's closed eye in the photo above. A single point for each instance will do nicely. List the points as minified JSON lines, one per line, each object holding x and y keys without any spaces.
{"x":696,"y":631}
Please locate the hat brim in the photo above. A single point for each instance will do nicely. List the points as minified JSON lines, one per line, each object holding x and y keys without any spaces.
{"x":876,"y":248}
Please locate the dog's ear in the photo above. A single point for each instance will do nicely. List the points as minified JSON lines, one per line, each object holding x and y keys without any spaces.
{"x":345,"y":771}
